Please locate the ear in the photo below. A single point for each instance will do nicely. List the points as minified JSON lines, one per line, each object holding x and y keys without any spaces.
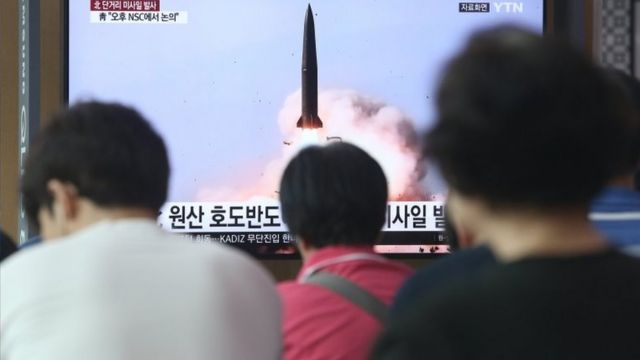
{"x":303,"y":247}
{"x":301,"y":243}
{"x":65,"y":198}
{"x":461,"y":217}
{"x":465,"y":237}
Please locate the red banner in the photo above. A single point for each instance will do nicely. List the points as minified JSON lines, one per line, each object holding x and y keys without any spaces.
{"x":125,"y":5}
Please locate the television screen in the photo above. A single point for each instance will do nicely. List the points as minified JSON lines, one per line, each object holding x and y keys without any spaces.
{"x":236,"y":88}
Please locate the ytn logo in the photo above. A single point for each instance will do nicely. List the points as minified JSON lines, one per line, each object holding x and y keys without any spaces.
{"x":509,"y":7}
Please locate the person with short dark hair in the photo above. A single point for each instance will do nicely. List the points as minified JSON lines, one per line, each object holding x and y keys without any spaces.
{"x":106,"y":153}
{"x":523,"y":137}
{"x":616,"y":210}
{"x":334,"y":199}
{"x":107,"y":282}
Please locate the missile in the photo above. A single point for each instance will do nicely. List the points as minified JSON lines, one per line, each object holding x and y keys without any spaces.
{"x":309,"y":118}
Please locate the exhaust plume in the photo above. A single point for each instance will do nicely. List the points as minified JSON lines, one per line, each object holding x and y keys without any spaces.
{"x":384,"y":131}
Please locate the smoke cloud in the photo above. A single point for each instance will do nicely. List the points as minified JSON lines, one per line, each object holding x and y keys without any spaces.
{"x":386,"y":133}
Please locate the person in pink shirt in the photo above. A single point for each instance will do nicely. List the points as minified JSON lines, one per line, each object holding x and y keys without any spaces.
{"x":334,"y":200}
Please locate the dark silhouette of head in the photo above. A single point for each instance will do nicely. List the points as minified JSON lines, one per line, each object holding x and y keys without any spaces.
{"x":335,"y":194}
{"x":108,"y":152}
{"x":526,"y":122}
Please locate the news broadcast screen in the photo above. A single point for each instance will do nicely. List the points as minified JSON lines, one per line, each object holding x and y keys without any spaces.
{"x":222,"y":82}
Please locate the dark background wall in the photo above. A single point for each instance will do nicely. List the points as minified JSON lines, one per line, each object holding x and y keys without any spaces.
{"x":8,"y":116}
{"x":51,"y":97}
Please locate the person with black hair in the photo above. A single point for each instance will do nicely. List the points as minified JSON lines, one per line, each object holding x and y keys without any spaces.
{"x":334,"y":199}
{"x":524,"y":137}
{"x":107,"y":282}
{"x":7,"y":246}
{"x":616,"y":210}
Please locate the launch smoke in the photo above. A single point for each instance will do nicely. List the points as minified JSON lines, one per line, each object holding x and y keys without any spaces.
{"x":384,"y":131}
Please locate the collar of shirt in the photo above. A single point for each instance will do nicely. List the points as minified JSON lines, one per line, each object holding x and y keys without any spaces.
{"x":328,"y":254}
{"x":112,"y":227}
{"x":616,"y":199}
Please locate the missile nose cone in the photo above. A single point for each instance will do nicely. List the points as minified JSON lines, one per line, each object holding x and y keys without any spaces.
{"x":309,"y":118}
{"x":308,"y":17}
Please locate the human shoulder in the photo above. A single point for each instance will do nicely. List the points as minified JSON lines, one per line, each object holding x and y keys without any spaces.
{"x":27,"y":272}
{"x":429,"y":324}
{"x":29,"y":260}
{"x":455,"y":267}
{"x":616,"y":199}
{"x":298,"y":294}
{"x":522,"y":283}
{"x":459,"y":264}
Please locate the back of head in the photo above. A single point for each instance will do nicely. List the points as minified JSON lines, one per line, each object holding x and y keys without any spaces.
{"x":109,"y":152}
{"x":335,"y":194}
{"x":525,"y":121}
